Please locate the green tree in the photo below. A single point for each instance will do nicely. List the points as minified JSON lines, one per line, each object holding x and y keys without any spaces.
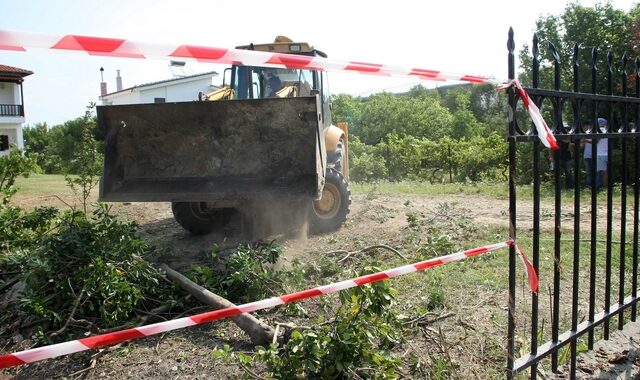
{"x":86,"y":162}
{"x":347,"y":108}
{"x":464,"y":122}
{"x":419,"y":91}
{"x":601,"y":26}
{"x":489,"y":107}
{"x":366,"y":162}
{"x":385,"y":113}
{"x":12,"y":166}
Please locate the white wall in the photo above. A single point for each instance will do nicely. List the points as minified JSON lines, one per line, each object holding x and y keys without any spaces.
{"x":11,"y":125}
{"x":15,"y":136}
{"x":177,"y":92}
{"x":125,"y":97}
{"x":9,"y":93}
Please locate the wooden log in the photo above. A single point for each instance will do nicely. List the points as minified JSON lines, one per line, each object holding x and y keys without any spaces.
{"x":259,"y":332}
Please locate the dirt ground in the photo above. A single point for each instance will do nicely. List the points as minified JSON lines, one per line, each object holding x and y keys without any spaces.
{"x":185,"y":354}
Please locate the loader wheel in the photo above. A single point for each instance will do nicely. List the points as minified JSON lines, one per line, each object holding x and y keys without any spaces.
{"x":336,"y":158}
{"x":330,"y":212}
{"x":198,"y":219}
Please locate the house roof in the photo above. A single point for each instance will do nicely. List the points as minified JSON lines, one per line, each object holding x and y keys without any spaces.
{"x":6,"y":70}
{"x":166,"y":81}
{"x":13,"y":73}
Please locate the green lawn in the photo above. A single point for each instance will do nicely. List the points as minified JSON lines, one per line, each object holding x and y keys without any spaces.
{"x":43,"y":184}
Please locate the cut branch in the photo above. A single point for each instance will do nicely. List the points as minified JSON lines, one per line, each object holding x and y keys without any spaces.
{"x":258,"y":331}
{"x":366,"y":249}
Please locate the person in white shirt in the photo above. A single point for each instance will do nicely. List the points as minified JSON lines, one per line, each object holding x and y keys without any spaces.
{"x":586,"y":144}
{"x":602,"y":153}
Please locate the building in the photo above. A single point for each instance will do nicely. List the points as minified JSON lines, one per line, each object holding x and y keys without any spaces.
{"x":11,"y":107}
{"x":181,"y":89}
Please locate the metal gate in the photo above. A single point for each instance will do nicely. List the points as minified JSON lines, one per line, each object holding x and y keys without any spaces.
{"x":584,"y":240}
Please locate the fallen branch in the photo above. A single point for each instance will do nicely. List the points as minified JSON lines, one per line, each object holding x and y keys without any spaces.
{"x":71,"y":314}
{"x":259,"y":332}
{"x":9,"y":284}
{"x":423,"y":321}
{"x":367,"y":249}
{"x":139,"y":322}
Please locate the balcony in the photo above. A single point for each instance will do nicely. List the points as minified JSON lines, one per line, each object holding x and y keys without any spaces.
{"x":11,"y":110}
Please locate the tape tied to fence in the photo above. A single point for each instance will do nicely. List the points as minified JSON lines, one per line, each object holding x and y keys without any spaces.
{"x":544,"y":133}
{"x":125,"y":48}
{"x":55,"y":350}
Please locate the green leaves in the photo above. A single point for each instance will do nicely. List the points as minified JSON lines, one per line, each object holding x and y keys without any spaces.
{"x":244,"y":276}
{"x":56,"y":148}
{"x":358,"y":341}
{"x":601,"y":26}
{"x":13,"y":165}
{"x":86,"y":161}
{"x":95,"y":262}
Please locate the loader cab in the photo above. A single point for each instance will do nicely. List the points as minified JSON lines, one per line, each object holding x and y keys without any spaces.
{"x":256,"y":82}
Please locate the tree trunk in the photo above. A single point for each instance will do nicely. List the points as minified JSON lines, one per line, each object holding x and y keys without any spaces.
{"x":259,"y":332}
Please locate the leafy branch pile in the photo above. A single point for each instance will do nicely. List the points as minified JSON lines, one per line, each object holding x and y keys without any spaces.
{"x":244,"y":276}
{"x":64,"y":269}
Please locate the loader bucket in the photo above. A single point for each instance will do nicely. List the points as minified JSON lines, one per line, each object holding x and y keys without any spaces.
{"x":213,"y":151}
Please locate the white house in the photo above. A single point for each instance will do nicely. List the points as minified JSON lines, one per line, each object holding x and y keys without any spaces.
{"x":181,"y":89}
{"x":11,"y":107}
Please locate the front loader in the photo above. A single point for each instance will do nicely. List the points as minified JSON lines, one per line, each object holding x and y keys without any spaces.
{"x":263,"y":147}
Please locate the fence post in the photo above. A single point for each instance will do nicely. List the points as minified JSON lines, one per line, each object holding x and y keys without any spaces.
{"x":512,"y":209}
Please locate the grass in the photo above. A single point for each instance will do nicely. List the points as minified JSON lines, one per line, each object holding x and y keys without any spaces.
{"x":497,"y":190}
{"x":43,"y":184}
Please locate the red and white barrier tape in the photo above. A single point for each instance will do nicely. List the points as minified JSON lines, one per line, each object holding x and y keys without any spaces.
{"x":52,"y":351}
{"x":115,"y":47}
{"x":544,"y":133}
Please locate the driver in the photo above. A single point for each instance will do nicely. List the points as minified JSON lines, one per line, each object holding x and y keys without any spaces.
{"x":274,"y":84}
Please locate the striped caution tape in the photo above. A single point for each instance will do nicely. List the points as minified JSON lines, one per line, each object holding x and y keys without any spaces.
{"x":124,"y":48}
{"x":116,"y":47}
{"x":544,"y":133}
{"x":55,"y":350}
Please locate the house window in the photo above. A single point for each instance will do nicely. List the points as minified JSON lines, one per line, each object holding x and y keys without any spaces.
{"x":4,"y":142}
{"x":159,"y":100}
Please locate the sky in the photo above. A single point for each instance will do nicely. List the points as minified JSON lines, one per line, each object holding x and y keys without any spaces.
{"x":455,"y":36}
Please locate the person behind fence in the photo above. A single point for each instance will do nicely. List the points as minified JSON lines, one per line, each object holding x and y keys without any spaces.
{"x":565,"y":153}
{"x":602,"y":155}
{"x":601,"y":158}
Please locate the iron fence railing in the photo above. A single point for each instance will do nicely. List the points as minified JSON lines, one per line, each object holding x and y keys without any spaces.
{"x":589,"y":279}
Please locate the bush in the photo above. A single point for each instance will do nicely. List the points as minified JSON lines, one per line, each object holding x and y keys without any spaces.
{"x":356,"y":344}
{"x":89,"y":268}
{"x":12,"y":166}
{"x":244,"y":276}
{"x":366,"y":164}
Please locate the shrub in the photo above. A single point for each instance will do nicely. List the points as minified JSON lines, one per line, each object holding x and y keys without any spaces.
{"x":356,"y":344}
{"x":244,"y":276}
{"x":12,"y":166}
{"x":95,"y":263}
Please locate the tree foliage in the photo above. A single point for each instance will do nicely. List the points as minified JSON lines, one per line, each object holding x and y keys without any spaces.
{"x":601,"y":27}
{"x":419,"y":116}
{"x":425,"y":134}
{"x":56,"y":148}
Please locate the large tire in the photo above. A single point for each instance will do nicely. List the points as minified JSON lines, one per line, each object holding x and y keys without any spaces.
{"x":196,"y":218}
{"x":336,"y":158}
{"x":330,"y":212}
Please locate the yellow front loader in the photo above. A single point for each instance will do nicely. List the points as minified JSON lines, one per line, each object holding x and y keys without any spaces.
{"x":261,"y":145}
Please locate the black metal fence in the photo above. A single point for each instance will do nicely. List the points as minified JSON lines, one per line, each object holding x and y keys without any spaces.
{"x":583,"y":242}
